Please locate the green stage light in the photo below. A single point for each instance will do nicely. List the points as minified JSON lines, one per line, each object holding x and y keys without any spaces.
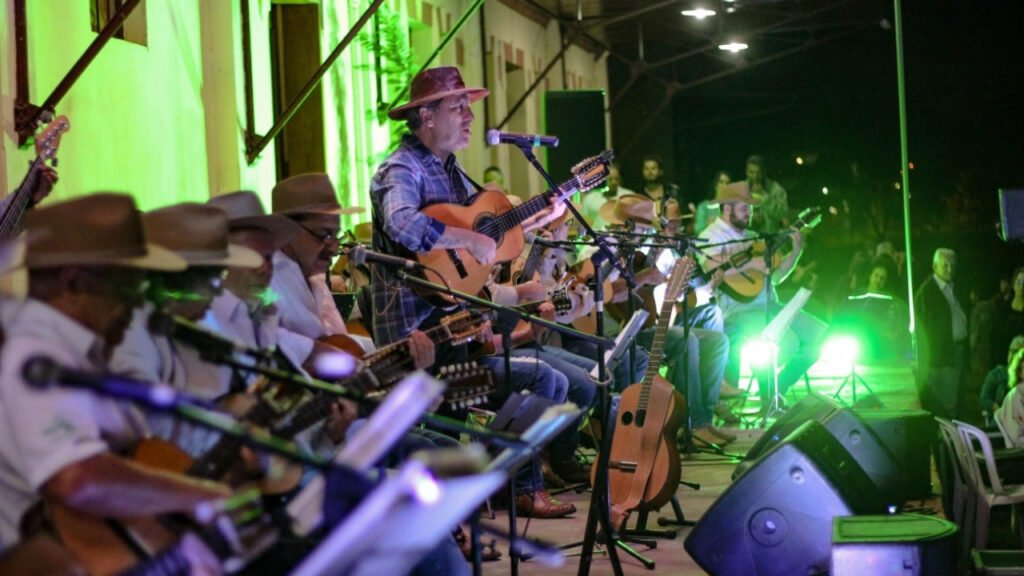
{"x":839,"y":354}
{"x":758,"y":353}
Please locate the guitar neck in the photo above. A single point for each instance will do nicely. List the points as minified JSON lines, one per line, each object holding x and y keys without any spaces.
{"x":216,"y":461}
{"x":11,"y":218}
{"x":532,"y":263}
{"x":533,"y":206}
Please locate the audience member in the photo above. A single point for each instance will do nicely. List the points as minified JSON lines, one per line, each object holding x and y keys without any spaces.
{"x":942,"y":338}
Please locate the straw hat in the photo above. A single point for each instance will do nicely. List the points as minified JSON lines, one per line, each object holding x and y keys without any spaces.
{"x":436,"y":84}
{"x":103,"y":229}
{"x":639,"y":209}
{"x":310,"y":193}
{"x":737,"y":193}
{"x":199,"y":234}
{"x":245,"y":210}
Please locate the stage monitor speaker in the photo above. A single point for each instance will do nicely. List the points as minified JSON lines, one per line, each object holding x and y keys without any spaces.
{"x":893,"y":545}
{"x":908,"y":434}
{"x":811,"y":407}
{"x":866,"y":448}
{"x":577,"y":118}
{"x":1011,"y":213}
{"x":776,"y":519}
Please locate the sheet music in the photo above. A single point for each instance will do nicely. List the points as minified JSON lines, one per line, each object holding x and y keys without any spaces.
{"x":778,"y":326}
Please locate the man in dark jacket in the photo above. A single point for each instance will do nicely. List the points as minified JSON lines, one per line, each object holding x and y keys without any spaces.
{"x":942,"y":338}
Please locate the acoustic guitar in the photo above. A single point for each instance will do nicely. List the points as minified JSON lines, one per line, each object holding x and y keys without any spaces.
{"x":153,"y":547}
{"x":745,"y":287}
{"x":46,"y":150}
{"x":490,"y":213}
{"x":643,"y":464}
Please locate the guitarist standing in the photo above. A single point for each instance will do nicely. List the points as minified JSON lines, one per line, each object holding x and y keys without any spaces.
{"x":744,"y":318}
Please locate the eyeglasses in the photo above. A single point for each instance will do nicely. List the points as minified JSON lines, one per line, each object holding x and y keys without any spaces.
{"x":324,"y":236}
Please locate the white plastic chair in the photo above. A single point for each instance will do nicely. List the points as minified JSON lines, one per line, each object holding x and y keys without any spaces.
{"x":985,"y":496}
{"x":961,"y":511}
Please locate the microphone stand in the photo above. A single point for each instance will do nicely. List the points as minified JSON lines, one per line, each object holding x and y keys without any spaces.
{"x":599,"y":511}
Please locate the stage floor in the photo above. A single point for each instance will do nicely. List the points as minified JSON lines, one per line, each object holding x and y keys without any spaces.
{"x":893,"y":384}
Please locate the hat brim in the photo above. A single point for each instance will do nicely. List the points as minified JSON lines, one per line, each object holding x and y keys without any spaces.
{"x":475,"y":94}
{"x":157,"y":258}
{"x":237,"y":257}
{"x":281,"y":229}
{"x":747,"y":201}
{"x":323,"y":209}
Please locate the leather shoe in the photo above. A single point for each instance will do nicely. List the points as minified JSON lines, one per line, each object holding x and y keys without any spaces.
{"x":571,"y":471}
{"x":725,"y":414}
{"x":540,"y":504}
{"x":729,"y":391}
{"x":722,"y":435}
{"x":704,"y":435}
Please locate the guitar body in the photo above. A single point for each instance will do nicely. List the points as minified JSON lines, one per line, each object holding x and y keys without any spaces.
{"x":644,"y":464}
{"x":98,"y":548}
{"x":744,"y":289}
{"x":458,"y":268}
{"x":345,"y":343}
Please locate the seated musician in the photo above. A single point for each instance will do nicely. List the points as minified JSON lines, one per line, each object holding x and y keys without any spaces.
{"x":86,"y":268}
{"x":423,"y":171}
{"x":706,"y":350}
{"x":304,"y":302}
{"x":801,"y":343}
{"x":199,"y":235}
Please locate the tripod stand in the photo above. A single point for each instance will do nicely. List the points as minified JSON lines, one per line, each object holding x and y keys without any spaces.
{"x":853,"y":378}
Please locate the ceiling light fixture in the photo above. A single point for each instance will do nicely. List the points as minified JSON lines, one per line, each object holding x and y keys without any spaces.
{"x":733,"y":47}
{"x":699,"y":13}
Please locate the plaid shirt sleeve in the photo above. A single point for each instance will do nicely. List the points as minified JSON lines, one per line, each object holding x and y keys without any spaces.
{"x":398,"y":192}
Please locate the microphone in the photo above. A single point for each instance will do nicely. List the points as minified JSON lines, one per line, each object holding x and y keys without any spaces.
{"x":359,"y":255}
{"x":42,"y":372}
{"x":536,"y":239}
{"x":211,"y":347}
{"x":495,"y":137}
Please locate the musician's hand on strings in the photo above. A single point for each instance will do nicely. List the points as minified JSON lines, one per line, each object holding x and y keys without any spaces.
{"x":481,"y":247}
{"x":421,"y":348}
{"x":545,"y":216}
{"x":343,"y":413}
{"x":47,"y":179}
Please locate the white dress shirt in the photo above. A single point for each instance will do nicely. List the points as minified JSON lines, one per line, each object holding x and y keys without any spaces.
{"x":42,"y":431}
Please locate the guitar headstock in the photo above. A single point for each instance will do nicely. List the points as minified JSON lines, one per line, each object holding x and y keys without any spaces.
{"x":463,"y":326}
{"x":468,"y":384}
{"x":681,"y":273}
{"x":48,"y":141}
{"x":591,"y":172}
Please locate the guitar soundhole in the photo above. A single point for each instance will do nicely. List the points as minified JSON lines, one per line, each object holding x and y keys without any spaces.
{"x":627,"y":418}
{"x":484,"y":220}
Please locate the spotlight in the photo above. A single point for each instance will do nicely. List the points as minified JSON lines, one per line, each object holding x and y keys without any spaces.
{"x":699,"y":13}
{"x":839,"y":355}
{"x":800,"y":160}
{"x":758,"y":352}
{"x":733,"y":47}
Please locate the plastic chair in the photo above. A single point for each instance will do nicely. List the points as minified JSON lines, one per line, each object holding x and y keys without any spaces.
{"x":985,"y":496}
{"x":959,"y":508}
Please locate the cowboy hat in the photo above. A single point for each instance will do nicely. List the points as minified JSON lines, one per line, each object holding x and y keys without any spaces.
{"x":102,"y":229}
{"x":310,"y":193}
{"x":199,"y":234}
{"x":245,"y":210}
{"x":737,"y":193}
{"x":639,"y":209}
{"x":435,"y":84}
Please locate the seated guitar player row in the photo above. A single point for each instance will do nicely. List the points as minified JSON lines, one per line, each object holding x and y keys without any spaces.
{"x":106,"y":281}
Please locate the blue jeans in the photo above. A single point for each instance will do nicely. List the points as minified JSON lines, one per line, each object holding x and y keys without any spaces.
{"x":799,"y":347}
{"x":537,"y":377}
{"x":582,"y":391}
{"x":621,"y":376}
{"x":700,"y":381}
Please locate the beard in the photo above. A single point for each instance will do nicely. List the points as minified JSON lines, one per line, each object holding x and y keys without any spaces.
{"x":739,"y":223}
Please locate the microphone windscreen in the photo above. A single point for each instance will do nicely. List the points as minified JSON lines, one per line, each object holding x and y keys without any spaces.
{"x":493,"y":137}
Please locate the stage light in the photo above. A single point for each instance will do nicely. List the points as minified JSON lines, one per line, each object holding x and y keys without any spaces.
{"x":824,"y":190}
{"x":733,"y":47}
{"x":800,"y":160}
{"x":838,"y":355}
{"x":699,"y":13}
{"x":758,"y":353}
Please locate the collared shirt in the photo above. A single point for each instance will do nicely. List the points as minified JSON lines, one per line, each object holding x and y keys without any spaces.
{"x":720,"y":231}
{"x":231,"y":316}
{"x":959,"y":317}
{"x":149,"y":357}
{"x":411,"y":178}
{"x":302,"y":314}
{"x":42,"y":431}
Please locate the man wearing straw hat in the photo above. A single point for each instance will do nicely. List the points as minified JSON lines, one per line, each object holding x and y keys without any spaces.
{"x":199,"y":235}
{"x":86,"y":264}
{"x":802,"y":341}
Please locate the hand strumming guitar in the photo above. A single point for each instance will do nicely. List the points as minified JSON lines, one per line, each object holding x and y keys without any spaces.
{"x":421,"y":348}
{"x":482,"y":247}
{"x":48,"y":178}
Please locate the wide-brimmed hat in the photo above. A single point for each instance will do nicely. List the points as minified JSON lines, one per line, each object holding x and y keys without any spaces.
{"x":737,"y":193}
{"x":639,"y":209}
{"x":102,"y":229}
{"x":435,"y":84}
{"x":245,"y":210}
{"x":310,"y":193}
{"x":199,"y":234}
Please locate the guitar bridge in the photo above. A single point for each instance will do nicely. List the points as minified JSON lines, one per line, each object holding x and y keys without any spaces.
{"x":457,"y":261}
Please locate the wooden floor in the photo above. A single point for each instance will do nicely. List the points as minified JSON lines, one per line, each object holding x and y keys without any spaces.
{"x":891,"y":383}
